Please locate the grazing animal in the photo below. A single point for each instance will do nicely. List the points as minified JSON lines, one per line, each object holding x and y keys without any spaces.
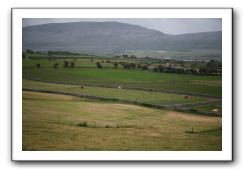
{"x":82,"y":87}
{"x":185,"y":96}
{"x":119,"y":87}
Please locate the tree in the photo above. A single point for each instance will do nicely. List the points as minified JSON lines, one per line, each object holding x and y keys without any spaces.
{"x":66,"y":63}
{"x":212,"y":64}
{"x":144,"y":67}
{"x":55,"y":65}
{"x":72,"y":64}
{"x":38,"y":65}
{"x":160,"y":68}
{"x":132,"y":65}
{"x":203,"y":70}
{"x":125,"y":56}
{"x":193,"y":65}
{"x":115,"y":64}
{"x":99,"y":65}
{"x":50,"y":53}
{"x":133,"y":57}
{"x":155,"y":69}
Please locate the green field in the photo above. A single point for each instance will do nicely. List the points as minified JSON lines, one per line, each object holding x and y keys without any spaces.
{"x":85,"y":72}
{"x":63,"y":122}
{"x":125,"y":94}
{"x":53,"y":122}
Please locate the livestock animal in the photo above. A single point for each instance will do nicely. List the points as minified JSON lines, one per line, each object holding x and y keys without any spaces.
{"x":187,"y":97}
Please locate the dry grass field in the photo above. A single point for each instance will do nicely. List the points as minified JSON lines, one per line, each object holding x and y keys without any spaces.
{"x":58,"y":122}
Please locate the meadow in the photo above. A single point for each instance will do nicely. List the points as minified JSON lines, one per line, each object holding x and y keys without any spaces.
{"x":66,"y":122}
{"x":85,"y":72}
{"x":124,"y":94}
{"x":58,"y":122}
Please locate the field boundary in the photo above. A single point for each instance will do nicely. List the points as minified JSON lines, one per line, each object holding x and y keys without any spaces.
{"x":178,"y":107}
{"x":130,"y":88}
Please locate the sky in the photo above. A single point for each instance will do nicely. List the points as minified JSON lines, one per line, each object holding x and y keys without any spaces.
{"x":166,"y":25}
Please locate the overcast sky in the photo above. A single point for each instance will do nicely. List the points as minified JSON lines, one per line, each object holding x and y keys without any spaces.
{"x":165,"y":25}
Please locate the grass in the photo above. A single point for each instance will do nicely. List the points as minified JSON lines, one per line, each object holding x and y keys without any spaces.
{"x":217,"y":108}
{"x":88,"y":74}
{"x":125,"y":94}
{"x":50,"y":123}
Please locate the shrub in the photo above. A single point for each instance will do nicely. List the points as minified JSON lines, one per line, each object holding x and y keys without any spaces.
{"x":55,"y":65}
{"x":38,"y":65}
{"x":115,"y":64}
{"x":107,"y":126}
{"x":138,"y":65}
{"x":72,"y":64}
{"x":66,"y":63}
{"x":83,"y":124}
{"x":144,"y":67}
{"x":99,"y":65}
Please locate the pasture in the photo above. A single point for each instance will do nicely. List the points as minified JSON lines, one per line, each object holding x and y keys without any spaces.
{"x":125,"y":94}
{"x":65,"y":122}
{"x":85,"y":72}
{"x":56,"y":122}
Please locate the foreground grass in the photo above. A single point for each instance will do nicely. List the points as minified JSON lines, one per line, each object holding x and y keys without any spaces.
{"x":50,"y":122}
{"x":89,"y":74}
{"x":131,"y":95}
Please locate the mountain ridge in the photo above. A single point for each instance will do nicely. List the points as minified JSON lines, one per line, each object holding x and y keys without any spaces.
{"x":113,"y":36}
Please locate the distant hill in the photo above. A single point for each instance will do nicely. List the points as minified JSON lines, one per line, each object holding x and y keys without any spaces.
{"x":113,"y":37}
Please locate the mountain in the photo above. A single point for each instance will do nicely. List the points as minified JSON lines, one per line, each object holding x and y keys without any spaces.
{"x":113,"y":37}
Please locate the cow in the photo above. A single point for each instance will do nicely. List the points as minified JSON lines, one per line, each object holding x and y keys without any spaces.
{"x":185,"y":96}
{"x":82,"y":87}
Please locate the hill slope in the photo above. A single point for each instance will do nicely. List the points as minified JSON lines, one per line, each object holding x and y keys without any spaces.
{"x":113,"y":36}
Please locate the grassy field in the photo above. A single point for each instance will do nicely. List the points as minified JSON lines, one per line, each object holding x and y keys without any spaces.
{"x":56,"y":122}
{"x":87,"y":73}
{"x":60,"y":122}
{"x":131,"y":95}
{"x":209,"y":108}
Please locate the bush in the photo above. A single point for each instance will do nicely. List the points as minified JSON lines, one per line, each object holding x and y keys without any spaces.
{"x":83,"y":124}
{"x":66,"y":63}
{"x":99,"y":65}
{"x":115,"y":64}
{"x":144,"y":67}
{"x":55,"y":65}
{"x":107,"y":126}
{"x":38,"y":65}
{"x":72,"y":64}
